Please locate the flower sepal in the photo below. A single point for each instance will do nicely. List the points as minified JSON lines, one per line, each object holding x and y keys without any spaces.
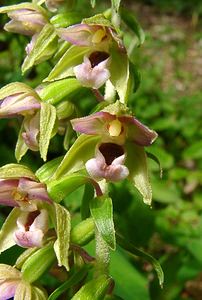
{"x":137,"y":164}
{"x":41,"y":47}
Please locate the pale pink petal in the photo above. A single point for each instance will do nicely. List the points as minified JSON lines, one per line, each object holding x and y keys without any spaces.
{"x":40,"y":222}
{"x":138,"y":132}
{"x":18,"y":104}
{"x":93,"y":77}
{"x":6,"y":192}
{"x":30,"y":45}
{"x":28,"y":239}
{"x":35,"y":190}
{"x":93,"y":124}
{"x":99,"y":169}
{"x":32,"y":227}
{"x":7,"y":289}
{"x":79,"y":34}
{"x":30,"y":136}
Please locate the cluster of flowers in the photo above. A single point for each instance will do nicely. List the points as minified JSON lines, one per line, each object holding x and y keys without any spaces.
{"x":111,"y":143}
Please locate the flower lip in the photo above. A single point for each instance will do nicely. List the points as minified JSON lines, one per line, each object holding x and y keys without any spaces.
{"x":111,"y":151}
{"x":97,"y":57}
{"x":31,"y":217}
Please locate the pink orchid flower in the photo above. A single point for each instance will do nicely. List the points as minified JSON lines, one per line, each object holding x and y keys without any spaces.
{"x":23,"y":193}
{"x":114,"y":130}
{"x":114,"y":127}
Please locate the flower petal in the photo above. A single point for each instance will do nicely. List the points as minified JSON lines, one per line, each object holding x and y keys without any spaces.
{"x":18,"y":104}
{"x":99,"y":169}
{"x":25,"y":21}
{"x":30,"y":136}
{"x":8,"y":272}
{"x":138,"y":132}
{"x":7,"y":289}
{"x":6,"y":190}
{"x":92,"y":77}
{"x":32,"y":228}
{"x":94,"y":124}
{"x":79,"y":34}
{"x":35,"y":190}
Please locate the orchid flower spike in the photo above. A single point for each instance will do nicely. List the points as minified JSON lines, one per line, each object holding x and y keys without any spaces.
{"x":23,"y":193}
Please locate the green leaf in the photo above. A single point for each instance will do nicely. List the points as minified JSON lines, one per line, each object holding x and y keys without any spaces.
{"x":63,"y":227}
{"x":119,"y":70}
{"x":87,"y":197}
{"x":94,"y":289}
{"x":38,"y":263}
{"x":20,"y":148}
{"x":48,"y":169}
{"x":82,"y":150}
{"x":132,"y":23}
{"x":15,"y":88}
{"x":102,"y":212}
{"x":116,"y":4}
{"x":136,"y":77}
{"x":25,"y":5}
{"x":164,"y":157}
{"x":66,"y":19}
{"x":8,"y":229}
{"x":59,"y":189}
{"x":165,"y":191}
{"x":44,"y":47}
{"x":137,"y":252}
{"x":156,"y":160}
{"x":64,"y":68}
{"x":73,"y":280}
{"x":194,"y":151}
{"x":136,"y":162}
{"x":130,"y":283}
{"x":54,"y":92}
{"x":15,"y":171}
{"x":83,"y":232}
{"x":98,"y":19}
{"x":93,"y":2}
{"x":47,"y":122}
{"x":194,"y":245}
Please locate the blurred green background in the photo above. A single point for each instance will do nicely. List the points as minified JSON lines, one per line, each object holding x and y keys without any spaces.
{"x":169,"y":101}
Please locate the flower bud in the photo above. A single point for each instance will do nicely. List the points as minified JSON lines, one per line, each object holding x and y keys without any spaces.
{"x":25,"y":21}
